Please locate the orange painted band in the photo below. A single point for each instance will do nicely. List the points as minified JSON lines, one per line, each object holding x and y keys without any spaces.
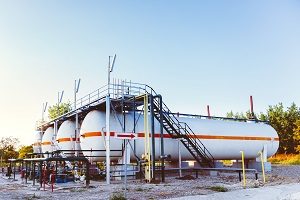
{"x":94,"y":134}
{"x":67,"y":139}
{"x":216,"y":137}
{"x":36,"y":144}
{"x":206,"y":137}
{"x":220,"y":137}
{"x":46,"y":143}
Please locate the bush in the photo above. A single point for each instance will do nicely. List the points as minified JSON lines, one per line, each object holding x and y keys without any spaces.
{"x":285,"y":159}
{"x":117,"y":196}
{"x":218,"y":188}
{"x":139,"y":189}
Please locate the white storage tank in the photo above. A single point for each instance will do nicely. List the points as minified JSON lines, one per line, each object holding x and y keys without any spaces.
{"x":48,"y":140}
{"x":223,"y":139}
{"x":92,"y":137}
{"x":37,"y":142}
{"x":66,"y":138}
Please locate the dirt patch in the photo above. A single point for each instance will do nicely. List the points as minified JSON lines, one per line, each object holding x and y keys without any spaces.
{"x":173,"y":187}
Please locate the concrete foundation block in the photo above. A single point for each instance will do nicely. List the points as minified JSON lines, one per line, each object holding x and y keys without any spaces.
{"x":213,"y":173}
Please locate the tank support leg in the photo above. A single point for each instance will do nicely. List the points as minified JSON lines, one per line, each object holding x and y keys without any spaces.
{"x":152,"y":136}
{"x":162,"y":152}
{"x":147,"y":140}
{"x":107,"y":139}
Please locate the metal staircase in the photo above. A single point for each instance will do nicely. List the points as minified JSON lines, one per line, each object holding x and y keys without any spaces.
{"x":171,"y":124}
{"x":182,"y":130}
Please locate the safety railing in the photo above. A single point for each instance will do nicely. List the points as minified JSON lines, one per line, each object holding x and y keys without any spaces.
{"x":183,"y":130}
{"x":120,"y":88}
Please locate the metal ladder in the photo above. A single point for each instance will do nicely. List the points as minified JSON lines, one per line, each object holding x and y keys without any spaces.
{"x":171,"y":124}
{"x":181,"y":130}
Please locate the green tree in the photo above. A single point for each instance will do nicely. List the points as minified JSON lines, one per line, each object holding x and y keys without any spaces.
{"x":297,"y":135}
{"x":263,"y":117}
{"x":8,"y":146}
{"x":247,"y":115}
{"x":237,"y":115}
{"x":230,"y":114}
{"x":55,"y":111}
{"x":284,"y":122}
{"x":25,"y":150}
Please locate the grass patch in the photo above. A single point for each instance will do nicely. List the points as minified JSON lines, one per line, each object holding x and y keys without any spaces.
{"x":139,"y":189}
{"x":285,"y":159}
{"x":200,"y":187}
{"x":32,"y":197}
{"x":117,"y":196}
{"x":218,"y":188}
{"x":77,"y":190}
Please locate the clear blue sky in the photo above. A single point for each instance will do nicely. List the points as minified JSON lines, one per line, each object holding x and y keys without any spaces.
{"x":192,"y":52}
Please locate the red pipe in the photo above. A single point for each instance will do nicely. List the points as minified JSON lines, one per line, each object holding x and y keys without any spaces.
{"x":52,"y":180}
{"x":208,"y":111}
{"x":251,"y":105}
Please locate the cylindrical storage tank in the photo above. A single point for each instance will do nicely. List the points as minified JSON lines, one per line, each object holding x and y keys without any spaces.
{"x":47,"y":140}
{"x":37,"y":142}
{"x":223,"y":139}
{"x":66,"y":138}
{"x":226,"y":139}
{"x":92,"y":138}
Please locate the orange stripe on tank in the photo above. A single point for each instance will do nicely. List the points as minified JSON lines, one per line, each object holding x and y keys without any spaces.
{"x":36,"y":144}
{"x":223,"y":137}
{"x":95,"y":134}
{"x":205,"y":137}
{"x":46,"y":143}
{"x":67,"y":139}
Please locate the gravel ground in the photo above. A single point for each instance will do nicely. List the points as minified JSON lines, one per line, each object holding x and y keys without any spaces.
{"x":172,"y":188}
{"x":279,"y":192}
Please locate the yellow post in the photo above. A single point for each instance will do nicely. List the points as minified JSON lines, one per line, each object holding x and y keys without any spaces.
{"x":262,"y":166}
{"x":243,"y":167}
{"x":147,"y":141}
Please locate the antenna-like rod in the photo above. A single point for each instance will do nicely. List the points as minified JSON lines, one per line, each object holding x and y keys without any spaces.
{"x":113,"y":63}
{"x":45,"y":106}
{"x":59,"y":99}
{"x":110,"y":69}
{"x":60,"y":96}
{"x":77,"y":85}
{"x":44,"y":110}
